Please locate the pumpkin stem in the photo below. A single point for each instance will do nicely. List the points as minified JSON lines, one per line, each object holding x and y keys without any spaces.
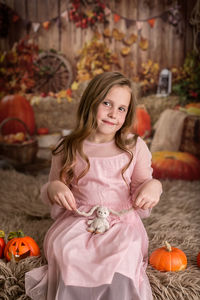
{"x":2,"y":234}
{"x":15,"y":234}
{"x":168,"y":246}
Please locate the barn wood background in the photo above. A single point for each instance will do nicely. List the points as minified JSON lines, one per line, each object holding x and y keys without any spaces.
{"x":166,"y":47}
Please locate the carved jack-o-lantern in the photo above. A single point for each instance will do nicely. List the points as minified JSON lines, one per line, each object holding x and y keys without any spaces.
{"x":20,"y":246}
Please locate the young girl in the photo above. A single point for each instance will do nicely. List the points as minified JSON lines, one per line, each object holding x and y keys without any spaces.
{"x":101,"y":164}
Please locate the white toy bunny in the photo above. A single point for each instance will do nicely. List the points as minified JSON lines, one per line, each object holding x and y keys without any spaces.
{"x":100,"y":224}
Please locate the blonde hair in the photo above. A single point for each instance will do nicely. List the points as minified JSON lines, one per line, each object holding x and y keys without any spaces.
{"x":93,"y":95}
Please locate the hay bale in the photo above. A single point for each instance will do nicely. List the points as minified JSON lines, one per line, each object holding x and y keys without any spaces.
{"x":55,"y":115}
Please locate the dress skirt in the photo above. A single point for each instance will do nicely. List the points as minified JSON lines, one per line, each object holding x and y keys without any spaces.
{"x":110,"y":267}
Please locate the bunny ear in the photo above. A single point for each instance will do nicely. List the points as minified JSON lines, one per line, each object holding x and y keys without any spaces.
{"x":92,"y":210}
{"x":88,"y":214}
{"x":114,"y":212}
{"x":121,"y":212}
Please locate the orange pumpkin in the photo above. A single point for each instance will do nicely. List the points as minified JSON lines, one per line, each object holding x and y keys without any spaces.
{"x":142,"y":125}
{"x":2,"y":243}
{"x":19,"y":107}
{"x":198,"y":259}
{"x":175,"y":165}
{"x":168,"y":258}
{"x":20,"y":246}
{"x":193,"y":104}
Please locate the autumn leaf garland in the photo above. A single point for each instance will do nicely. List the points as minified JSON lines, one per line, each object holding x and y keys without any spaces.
{"x":86,"y":14}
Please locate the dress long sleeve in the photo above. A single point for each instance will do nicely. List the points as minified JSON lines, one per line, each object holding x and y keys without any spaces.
{"x":54,"y":174}
{"x":142,"y":172}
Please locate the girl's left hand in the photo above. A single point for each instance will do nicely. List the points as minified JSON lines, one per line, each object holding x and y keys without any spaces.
{"x":148,"y":195}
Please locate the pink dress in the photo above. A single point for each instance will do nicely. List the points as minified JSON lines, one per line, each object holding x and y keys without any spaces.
{"x":109,"y":266}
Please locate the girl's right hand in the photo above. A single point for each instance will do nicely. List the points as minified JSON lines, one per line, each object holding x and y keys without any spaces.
{"x":59,"y":193}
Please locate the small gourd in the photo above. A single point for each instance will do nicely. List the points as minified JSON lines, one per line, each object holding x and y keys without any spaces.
{"x":168,"y":258}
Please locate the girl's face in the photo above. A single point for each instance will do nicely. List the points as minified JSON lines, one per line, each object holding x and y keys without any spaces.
{"x":111,"y":113}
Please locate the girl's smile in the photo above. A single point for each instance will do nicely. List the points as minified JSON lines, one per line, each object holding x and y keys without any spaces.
{"x":108,"y":122}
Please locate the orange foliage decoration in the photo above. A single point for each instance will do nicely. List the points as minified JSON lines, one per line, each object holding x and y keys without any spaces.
{"x":152,"y":22}
{"x":46,"y":25}
{"x":116,"y":18}
{"x":17,"y":68}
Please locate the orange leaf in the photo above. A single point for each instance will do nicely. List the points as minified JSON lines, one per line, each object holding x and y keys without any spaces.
{"x":46,"y":25}
{"x":69,"y":92}
{"x":107,"y":32}
{"x":118,"y":35}
{"x":144,"y":44}
{"x":15,"y":18}
{"x":151,"y":22}
{"x":125,"y":51}
{"x":116,"y":18}
{"x":130,"y":40}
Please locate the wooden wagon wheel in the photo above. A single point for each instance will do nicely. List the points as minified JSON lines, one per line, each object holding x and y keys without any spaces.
{"x":54,"y":73}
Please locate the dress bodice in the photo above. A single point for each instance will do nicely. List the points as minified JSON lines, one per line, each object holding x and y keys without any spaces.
{"x":103,"y":184}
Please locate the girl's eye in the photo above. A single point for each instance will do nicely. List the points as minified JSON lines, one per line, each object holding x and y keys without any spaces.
{"x":122,"y":109}
{"x":106,"y":103}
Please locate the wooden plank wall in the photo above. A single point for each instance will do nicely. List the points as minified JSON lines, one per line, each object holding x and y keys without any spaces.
{"x":165,"y":46}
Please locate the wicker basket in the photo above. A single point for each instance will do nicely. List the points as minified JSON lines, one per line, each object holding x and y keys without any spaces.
{"x":24,"y":153}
